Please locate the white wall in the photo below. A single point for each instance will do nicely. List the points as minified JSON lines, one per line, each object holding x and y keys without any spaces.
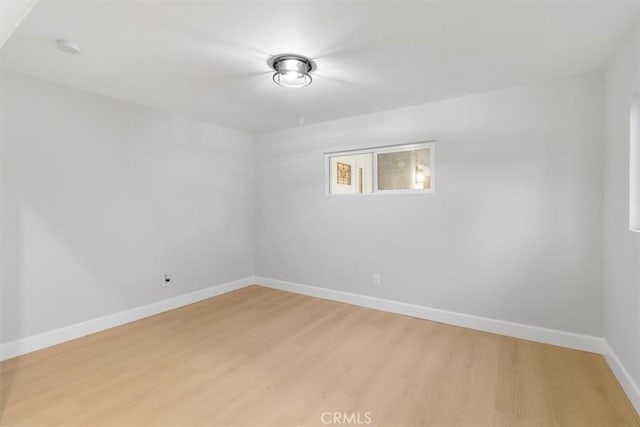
{"x":513,"y":232}
{"x":621,"y":246}
{"x":99,"y":198}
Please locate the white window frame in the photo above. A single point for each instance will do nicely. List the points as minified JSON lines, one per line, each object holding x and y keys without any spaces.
{"x":634,"y":164}
{"x":374,"y":151}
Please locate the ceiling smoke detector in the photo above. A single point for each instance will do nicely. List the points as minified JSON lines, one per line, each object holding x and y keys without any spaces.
{"x":68,"y":47}
{"x":292,"y":70}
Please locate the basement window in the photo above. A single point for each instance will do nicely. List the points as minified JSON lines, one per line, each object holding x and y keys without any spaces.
{"x":384,"y":170}
{"x":634,"y":164}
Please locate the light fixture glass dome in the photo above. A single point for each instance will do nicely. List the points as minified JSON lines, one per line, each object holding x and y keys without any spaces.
{"x":292,"y":70}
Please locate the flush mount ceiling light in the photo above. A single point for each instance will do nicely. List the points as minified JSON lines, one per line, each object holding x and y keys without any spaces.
{"x":68,"y":47}
{"x":292,"y":70}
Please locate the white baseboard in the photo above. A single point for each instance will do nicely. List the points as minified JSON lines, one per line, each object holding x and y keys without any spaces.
{"x":57,"y":336}
{"x":626,"y":381}
{"x":533,"y":333}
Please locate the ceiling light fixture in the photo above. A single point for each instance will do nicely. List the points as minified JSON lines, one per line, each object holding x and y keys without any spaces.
{"x":292,"y":70}
{"x":68,"y":47}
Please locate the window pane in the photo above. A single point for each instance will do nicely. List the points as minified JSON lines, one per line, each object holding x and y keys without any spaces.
{"x":351,"y":174}
{"x":404,"y":170}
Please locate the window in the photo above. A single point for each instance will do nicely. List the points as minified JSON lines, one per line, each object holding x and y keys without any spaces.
{"x":408,"y":169}
{"x":384,"y":170}
{"x":634,"y":165}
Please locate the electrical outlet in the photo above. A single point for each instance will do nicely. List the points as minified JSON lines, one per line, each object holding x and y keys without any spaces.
{"x":376,"y":279}
{"x":167,"y":279}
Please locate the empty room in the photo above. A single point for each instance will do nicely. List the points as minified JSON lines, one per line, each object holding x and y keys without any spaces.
{"x":320,"y":212}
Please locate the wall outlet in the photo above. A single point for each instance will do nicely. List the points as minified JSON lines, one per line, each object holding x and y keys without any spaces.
{"x":167,"y":279}
{"x":376,"y":279}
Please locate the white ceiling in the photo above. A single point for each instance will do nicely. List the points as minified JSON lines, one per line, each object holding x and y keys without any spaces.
{"x":208,"y":59}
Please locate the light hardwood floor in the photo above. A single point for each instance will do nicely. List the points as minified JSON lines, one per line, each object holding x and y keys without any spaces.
{"x":259,"y":356}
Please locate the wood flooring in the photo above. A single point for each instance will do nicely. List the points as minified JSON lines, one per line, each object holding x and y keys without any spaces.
{"x":263,"y":357}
